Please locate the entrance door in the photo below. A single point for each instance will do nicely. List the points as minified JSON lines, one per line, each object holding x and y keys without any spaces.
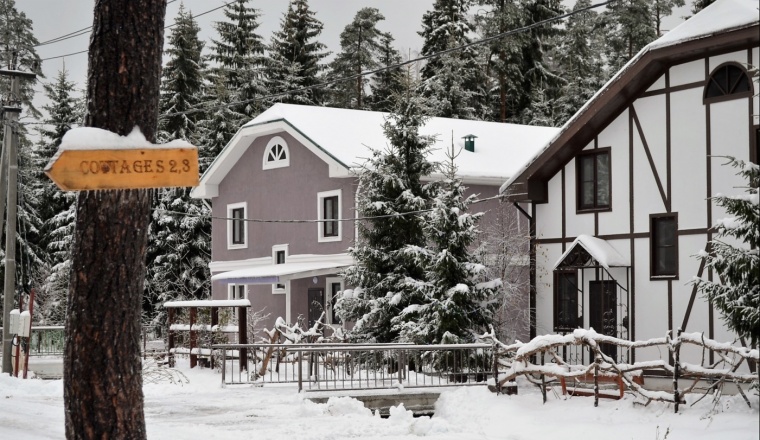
{"x":316,"y":298}
{"x":603,"y":312}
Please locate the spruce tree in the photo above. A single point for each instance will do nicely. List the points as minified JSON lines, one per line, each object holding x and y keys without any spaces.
{"x":504,"y":58}
{"x":389,"y":82}
{"x":579,"y":62}
{"x":447,"y":96}
{"x":240,"y":58}
{"x":182,"y":80}
{"x":628,"y":28}
{"x":444,"y":27}
{"x":296,"y":56}
{"x":360,"y":44}
{"x":735,"y":259}
{"x":219,"y":125}
{"x":453,"y":303}
{"x":698,"y":5}
{"x":391,"y":187}
{"x":19,"y":52}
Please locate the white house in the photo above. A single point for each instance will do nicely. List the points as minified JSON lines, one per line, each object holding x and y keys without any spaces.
{"x":620,"y":197}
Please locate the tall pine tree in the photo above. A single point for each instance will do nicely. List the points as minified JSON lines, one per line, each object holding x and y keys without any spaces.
{"x":628,"y":28}
{"x":240,"y":59}
{"x":296,"y":56}
{"x":182,"y":80}
{"x":389,"y":82}
{"x":360,"y":44}
{"x":391,"y":186}
{"x":453,"y":303}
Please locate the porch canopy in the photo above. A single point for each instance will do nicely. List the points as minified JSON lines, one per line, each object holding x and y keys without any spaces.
{"x":278,"y":273}
{"x":588,"y":251}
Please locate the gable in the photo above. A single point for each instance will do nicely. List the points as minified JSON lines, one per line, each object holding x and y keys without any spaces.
{"x":640,"y":75}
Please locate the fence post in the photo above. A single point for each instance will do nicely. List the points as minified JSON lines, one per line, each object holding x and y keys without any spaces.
{"x":170,"y":336}
{"x":193,"y":338}
{"x":543,"y":379}
{"x":300,"y":371}
{"x":400,"y":362}
{"x":224,"y":366}
{"x":676,"y":368}
{"x":597,"y":360}
{"x":494,"y":351}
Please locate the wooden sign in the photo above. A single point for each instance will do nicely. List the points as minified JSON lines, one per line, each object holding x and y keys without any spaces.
{"x":77,"y":170}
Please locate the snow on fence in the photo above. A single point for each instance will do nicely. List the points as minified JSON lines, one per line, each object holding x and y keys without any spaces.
{"x":538,"y":359}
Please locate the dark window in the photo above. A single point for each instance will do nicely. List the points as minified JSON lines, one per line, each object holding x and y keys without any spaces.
{"x":664,"y":245}
{"x":330,"y":212}
{"x":565,"y":301}
{"x":593,"y":170}
{"x":728,"y":81}
{"x":754,"y":153}
{"x":603,"y":311}
{"x":279,"y":258}
{"x":276,"y":153}
{"x":238,"y":226}
{"x":238,"y":291}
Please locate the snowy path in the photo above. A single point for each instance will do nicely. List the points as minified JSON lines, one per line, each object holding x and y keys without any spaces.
{"x":33,"y":409}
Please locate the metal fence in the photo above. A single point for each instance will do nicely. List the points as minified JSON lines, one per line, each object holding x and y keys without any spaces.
{"x":47,"y":340}
{"x":320,"y":367}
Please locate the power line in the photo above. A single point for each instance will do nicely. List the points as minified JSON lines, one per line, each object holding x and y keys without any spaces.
{"x":352,"y":219}
{"x":397,"y":65}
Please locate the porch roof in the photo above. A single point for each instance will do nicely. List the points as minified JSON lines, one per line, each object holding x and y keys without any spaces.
{"x":586,"y":250}
{"x":278,"y":273}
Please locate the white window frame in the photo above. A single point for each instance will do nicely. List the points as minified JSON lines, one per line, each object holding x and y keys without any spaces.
{"x":230,"y":244}
{"x":276,"y":248}
{"x":282,"y":163}
{"x":329,"y":281}
{"x":231,"y":291}
{"x":321,"y":215}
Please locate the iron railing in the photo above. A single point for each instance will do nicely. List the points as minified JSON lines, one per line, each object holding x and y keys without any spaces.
{"x":319,"y":367}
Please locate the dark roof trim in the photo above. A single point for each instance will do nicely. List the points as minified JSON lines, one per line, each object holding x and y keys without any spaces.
{"x":531,"y":183}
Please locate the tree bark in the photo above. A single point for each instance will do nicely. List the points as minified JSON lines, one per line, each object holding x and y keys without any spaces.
{"x":102,"y":368}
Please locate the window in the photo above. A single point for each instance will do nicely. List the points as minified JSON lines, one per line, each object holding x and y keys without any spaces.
{"x":728,"y":81}
{"x":566,"y":301}
{"x":334,"y":286}
{"x":279,"y":255}
{"x":329,"y":208}
{"x":593,"y":174}
{"x":754,"y":151}
{"x":237,"y":238}
{"x":276,"y":154}
{"x":663,"y":242}
{"x":237,"y":291}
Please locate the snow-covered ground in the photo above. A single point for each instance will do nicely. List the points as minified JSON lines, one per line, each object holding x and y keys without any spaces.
{"x":33,"y":409}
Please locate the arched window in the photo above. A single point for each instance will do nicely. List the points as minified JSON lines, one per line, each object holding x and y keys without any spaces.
{"x":728,"y":81}
{"x":276,"y":155}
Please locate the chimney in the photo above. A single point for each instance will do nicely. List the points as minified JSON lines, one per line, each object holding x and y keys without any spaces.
{"x":469,"y":142}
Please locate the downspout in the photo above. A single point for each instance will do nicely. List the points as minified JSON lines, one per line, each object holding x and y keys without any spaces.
{"x":532,"y":259}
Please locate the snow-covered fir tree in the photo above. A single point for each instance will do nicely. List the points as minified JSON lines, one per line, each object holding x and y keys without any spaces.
{"x":360,"y":50}
{"x":540,"y":82}
{"x":240,"y":59}
{"x":453,"y":302}
{"x":698,"y":5}
{"x":296,"y":56}
{"x":392,"y":192}
{"x":503,"y":58}
{"x":218,"y":126}
{"x":19,"y":52}
{"x":388,"y":83}
{"x":735,"y":258}
{"x":182,"y":80}
{"x":628,"y":27}
{"x":579,"y":61}
{"x":662,"y":9}
{"x":57,"y":209}
{"x":444,"y":27}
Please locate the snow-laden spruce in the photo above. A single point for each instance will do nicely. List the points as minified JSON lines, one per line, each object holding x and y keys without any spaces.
{"x":735,"y":258}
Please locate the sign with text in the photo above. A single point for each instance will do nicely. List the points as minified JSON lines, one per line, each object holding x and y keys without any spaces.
{"x":78,"y":170}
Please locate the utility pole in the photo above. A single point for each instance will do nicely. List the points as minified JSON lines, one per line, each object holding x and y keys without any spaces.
{"x":9,"y":176}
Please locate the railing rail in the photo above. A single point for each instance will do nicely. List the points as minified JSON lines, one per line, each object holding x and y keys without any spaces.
{"x":339,"y":366}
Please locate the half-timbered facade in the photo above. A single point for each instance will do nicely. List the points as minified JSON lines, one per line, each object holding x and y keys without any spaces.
{"x":283,"y":193}
{"x":620,"y":198}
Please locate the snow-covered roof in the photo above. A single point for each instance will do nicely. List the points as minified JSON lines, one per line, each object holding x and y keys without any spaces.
{"x":343,"y":138}
{"x":720,"y":17}
{"x":278,"y":273}
{"x":209,"y":303}
{"x":599,"y":250}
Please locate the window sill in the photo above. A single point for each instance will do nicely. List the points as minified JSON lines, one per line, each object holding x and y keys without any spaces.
{"x":592,"y":210}
{"x":329,"y":239}
{"x":663,"y":277}
{"x":237,"y":246}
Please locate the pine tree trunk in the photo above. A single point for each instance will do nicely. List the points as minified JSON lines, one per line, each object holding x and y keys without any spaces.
{"x":102,"y":370}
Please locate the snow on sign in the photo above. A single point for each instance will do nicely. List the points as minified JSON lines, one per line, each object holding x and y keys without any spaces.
{"x":91,"y":158}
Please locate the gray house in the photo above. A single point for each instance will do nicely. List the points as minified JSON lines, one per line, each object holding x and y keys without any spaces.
{"x":299,"y":163}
